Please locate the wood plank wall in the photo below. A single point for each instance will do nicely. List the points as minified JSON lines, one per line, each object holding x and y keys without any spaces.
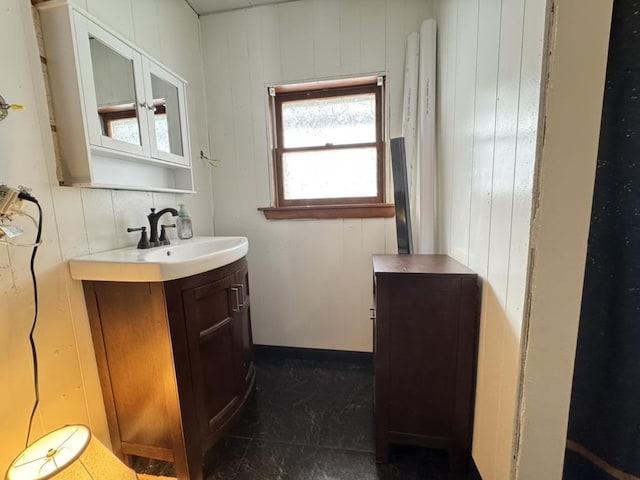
{"x":76,"y":221}
{"x":490,"y":67}
{"x":311,"y":281}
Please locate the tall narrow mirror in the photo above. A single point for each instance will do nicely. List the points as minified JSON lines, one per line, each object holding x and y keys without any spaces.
{"x":167,"y":116}
{"x":115,"y":93}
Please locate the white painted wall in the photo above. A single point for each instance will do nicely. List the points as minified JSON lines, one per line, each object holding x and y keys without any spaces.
{"x":76,"y":221}
{"x":311,"y":281}
{"x":490,"y":69}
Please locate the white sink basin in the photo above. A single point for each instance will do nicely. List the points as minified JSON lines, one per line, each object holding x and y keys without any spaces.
{"x":182,"y":258}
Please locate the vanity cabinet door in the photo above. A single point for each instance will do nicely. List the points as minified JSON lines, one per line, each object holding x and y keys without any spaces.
{"x":211,"y":311}
{"x":245,"y":340}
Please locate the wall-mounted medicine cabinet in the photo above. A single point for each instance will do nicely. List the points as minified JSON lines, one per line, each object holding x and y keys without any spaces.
{"x":121,"y":117}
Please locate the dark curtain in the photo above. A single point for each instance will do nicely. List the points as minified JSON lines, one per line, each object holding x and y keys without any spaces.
{"x":604,"y":421}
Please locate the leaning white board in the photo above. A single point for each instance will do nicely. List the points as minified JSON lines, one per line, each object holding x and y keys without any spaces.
{"x":426,"y":179}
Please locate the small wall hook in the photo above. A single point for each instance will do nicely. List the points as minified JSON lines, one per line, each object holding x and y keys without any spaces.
{"x":5,"y":107}
{"x":211,"y":161}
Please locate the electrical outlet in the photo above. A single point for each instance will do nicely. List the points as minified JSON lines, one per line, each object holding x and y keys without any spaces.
{"x":8,"y":200}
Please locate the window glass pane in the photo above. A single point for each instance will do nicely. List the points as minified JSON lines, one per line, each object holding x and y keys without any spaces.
{"x":330,"y":174}
{"x":335,"y":120}
{"x":125,"y":130}
{"x":162,"y":132}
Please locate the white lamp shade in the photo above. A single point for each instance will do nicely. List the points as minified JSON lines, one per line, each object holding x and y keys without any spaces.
{"x":69,"y":453}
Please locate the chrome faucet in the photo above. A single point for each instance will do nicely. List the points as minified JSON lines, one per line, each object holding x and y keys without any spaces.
{"x":153,"y":223}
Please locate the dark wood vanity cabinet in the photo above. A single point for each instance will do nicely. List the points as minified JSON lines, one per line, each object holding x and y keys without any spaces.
{"x":175,"y":361}
{"x":425,"y":340}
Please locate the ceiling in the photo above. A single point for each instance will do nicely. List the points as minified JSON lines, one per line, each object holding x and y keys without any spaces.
{"x":203,"y":7}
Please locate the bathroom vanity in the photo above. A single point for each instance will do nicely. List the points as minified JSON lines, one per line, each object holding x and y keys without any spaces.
{"x":425,"y":338}
{"x":175,"y":357}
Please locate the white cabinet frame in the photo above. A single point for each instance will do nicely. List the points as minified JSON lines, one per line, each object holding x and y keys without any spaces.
{"x":87,"y":156}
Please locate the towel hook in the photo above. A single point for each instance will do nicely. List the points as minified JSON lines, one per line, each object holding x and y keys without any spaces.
{"x":213,"y":162}
{"x":5,"y":107}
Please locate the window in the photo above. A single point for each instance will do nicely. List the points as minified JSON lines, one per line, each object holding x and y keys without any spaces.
{"x":328,"y":149}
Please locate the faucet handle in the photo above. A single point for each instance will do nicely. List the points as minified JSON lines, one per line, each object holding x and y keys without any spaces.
{"x":163,"y":240}
{"x":144,"y":240}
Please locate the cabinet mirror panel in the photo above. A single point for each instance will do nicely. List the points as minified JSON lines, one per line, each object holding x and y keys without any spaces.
{"x":115,"y":93}
{"x":166,"y":104}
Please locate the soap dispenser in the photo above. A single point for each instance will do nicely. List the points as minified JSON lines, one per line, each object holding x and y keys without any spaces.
{"x":185,"y":228}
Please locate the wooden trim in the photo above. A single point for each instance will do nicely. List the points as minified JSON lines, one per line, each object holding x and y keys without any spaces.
{"x":278,"y":142}
{"x":148,"y":451}
{"x":328,"y":92}
{"x":324,"y":84}
{"x":128,"y":110}
{"x":122,"y":112}
{"x":379,"y":210}
{"x":330,"y":146}
{"x":380,"y":137}
{"x":330,"y":202}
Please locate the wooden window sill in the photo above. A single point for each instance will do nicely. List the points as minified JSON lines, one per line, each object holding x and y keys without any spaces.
{"x":373,"y":210}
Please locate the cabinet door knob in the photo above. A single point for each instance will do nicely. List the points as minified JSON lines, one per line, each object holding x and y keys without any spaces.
{"x":240,"y":286}
{"x":148,"y":106}
{"x":372,"y":314}
{"x":237,"y":308}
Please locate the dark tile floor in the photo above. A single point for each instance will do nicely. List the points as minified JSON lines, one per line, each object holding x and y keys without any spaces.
{"x":312,"y":420}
